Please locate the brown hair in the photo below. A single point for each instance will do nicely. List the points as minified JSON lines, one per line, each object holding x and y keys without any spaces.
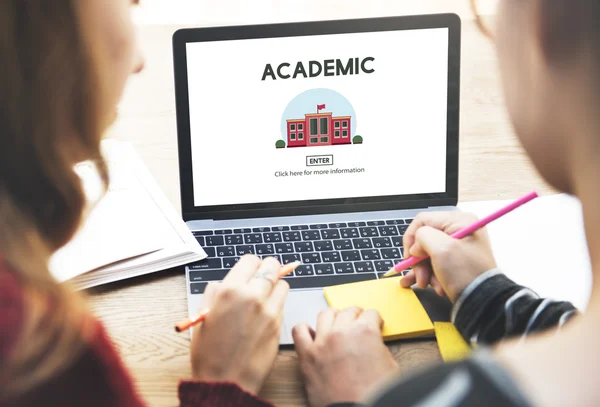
{"x":50,"y":100}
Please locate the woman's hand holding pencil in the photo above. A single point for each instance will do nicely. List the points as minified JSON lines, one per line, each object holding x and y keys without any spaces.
{"x":238,"y":338}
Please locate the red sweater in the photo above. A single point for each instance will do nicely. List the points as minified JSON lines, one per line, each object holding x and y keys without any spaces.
{"x":98,"y":377}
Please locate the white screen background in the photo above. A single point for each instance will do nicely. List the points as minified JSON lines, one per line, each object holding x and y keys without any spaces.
{"x":235,"y":118}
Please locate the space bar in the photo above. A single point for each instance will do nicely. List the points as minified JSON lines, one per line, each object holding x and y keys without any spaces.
{"x":326,"y":281}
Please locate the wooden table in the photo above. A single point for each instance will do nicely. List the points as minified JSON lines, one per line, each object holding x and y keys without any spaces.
{"x":139,"y":313}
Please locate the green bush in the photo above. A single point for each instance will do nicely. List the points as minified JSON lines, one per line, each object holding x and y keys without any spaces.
{"x":357,"y":139}
{"x":280,"y":144}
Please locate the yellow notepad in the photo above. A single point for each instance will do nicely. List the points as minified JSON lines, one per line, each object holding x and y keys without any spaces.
{"x":451,"y":343}
{"x":402,"y":312}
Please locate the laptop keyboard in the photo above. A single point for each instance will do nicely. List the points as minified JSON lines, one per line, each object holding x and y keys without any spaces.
{"x":331,"y":254}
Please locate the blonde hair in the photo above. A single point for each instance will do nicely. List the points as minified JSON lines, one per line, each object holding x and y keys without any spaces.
{"x":50,"y":104}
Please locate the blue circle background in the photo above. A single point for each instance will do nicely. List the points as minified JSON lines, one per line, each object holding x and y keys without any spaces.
{"x":307,"y":102}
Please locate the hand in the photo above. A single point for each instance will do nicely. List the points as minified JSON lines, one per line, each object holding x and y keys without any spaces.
{"x":453,"y":263}
{"x":345,"y":358}
{"x":239,"y":339}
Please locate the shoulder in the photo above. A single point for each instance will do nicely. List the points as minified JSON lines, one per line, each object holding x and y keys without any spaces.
{"x":11,"y":308}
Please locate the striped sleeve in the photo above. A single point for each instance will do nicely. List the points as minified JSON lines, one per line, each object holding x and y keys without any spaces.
{"x":493,"y":308}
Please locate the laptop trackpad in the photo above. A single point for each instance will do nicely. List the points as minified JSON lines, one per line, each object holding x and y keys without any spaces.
{"x":301,"y":306}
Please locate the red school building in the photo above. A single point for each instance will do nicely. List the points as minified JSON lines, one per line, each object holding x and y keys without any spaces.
{"x":318,"y":129}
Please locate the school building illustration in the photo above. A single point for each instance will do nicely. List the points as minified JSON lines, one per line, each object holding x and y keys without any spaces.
{"x":318,"y":129}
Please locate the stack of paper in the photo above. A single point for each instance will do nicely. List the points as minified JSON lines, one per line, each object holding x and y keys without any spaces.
{"x":133,"y":230}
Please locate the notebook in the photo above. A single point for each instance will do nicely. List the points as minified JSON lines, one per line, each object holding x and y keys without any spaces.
{"x":132,"y":230}
{"x":403,"y":315}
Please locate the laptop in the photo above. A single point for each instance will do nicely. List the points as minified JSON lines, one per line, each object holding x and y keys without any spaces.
{"x":315,"y":141}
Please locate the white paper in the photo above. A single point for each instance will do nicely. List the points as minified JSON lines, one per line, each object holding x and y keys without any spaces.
{"x":117,"y":227}
{"x":542,"y":245}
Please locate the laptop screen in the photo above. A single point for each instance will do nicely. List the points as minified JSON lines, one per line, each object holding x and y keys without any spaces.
{"x":318,"y":117}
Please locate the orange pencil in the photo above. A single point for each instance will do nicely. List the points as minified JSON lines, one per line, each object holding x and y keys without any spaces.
{"x":201,"y":316}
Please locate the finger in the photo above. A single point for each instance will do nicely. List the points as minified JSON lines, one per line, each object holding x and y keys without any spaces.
{"x":243,"y":271}
{"x":347,"y":316}
{"x":422,"y":275}
{"x":437,"y":286}
{"x":372,"y":318}
{"x":302,"y":338}
{"x":209,"y":295}
{"x":448,"y":222}
{"x":265,"y":278}
{"x":409,"y":279}
{"x":325,"y":320}
{"x":276,"y":301}
{"x":433,"y":241}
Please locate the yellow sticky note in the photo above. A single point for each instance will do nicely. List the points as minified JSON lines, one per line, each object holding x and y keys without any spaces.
{"x":402,"y":312}
{"x":451,"y":343}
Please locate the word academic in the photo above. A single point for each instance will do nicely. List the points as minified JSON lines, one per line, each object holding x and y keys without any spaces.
{"x":329,"y":67}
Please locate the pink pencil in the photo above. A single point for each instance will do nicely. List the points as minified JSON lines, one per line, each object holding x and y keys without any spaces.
{"x":411,"y":261}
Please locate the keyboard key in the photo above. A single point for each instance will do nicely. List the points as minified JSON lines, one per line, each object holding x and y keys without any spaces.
{"x":408,"y":221}
{"x":234,"y":239}
{"x":200,"y":240}
{"x":223,"y":232}
{"x":223,"y":251}
{"x":395,"y":222}
{"x":326,"y":281}
{"x":261,"y":230}
{"x":388,"y":231}
{"x":345,"y":244}
{"x":202,"y":232}
{"x":384,"y":265}
{"x":304,"y":270}
{"x":244,"y":249}
{"x":330,"y":257}
{"x":210,"y":251}
{"x":244,"y":230}
{"x":299,"y":227}
{"x":272,"y":237}
{"x":337,"y":225}
{"x":311,"y":235}
{"x":319,"y":226}
{"x":402,"y":228}
{"x":264,"y":249}
{"x":397,"y":241}
{"x":208,"y":275}
{"x":290,"y":258}
{"x":311,"y":258}
{"x":253,"y":238}
{"x":375,"y":223}
{"x":284,"y":248}
{"x":382,"y":242}
{"x":356,"y":224}
{"x":362,"y":243}
{"x":303,"y":247}
{"x":198,"y":288}
{"x":215,"y":241}
{"x":349,"y":233}
{"x":343,"y":268}
{"x":364,"y":267}
{"x":350,"y":255}
{"x":291,"y":236}
{"x":214,"y":263}
{"x":322,"y":269}
{"x":323,"y":245}
{"x":279,"y":228}
{"x":368,"y":232}
{"x":370,"y":254}
{"x":229,"y":262}
{"x":330,"y":234}
{"x":390,"y":254}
